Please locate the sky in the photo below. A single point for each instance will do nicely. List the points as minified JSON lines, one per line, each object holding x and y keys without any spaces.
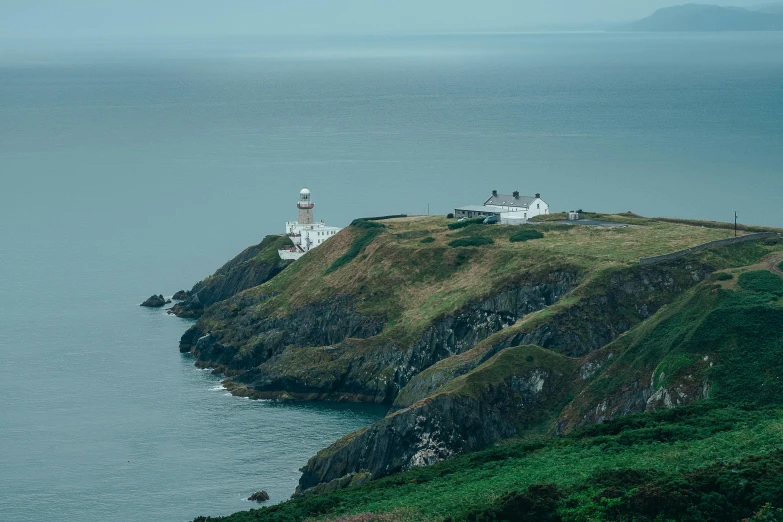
{"x":74,"y":19}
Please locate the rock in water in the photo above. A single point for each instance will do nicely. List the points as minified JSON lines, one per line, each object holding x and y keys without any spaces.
{"x":259,"y":496}
{"x":155,"y":301}
{"x":181,"y":295}
{"x":189,"y":308}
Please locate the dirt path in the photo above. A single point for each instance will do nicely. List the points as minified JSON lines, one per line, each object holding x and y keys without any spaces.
{"x":774,"y":266}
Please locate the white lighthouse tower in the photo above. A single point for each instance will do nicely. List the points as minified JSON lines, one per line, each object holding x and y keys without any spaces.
{"x":305,"y":207}
{"x":305,"y":233}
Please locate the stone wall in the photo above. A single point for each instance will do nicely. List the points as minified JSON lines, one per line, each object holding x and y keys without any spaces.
{"x":705,"y":246}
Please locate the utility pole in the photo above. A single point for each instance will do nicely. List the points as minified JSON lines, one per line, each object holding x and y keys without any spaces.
{"x":428,"y":209}
{"x":735,"y":223}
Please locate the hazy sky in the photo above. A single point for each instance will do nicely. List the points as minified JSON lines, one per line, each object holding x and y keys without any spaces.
{"x":129,"y":18}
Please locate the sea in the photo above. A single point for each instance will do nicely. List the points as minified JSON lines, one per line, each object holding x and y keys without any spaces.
{"x":129,"y":168}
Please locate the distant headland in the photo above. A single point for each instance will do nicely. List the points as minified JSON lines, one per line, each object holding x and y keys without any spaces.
{"x":709,"y":18}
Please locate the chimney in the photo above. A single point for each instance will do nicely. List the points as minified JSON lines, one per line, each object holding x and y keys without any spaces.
{"x":516,"y":194}
{"x":494,"y":193}
{"x":538,"y":195}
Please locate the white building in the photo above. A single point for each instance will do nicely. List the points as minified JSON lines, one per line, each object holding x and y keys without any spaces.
{"x":511,"y":209}
{"x":305,"y":233}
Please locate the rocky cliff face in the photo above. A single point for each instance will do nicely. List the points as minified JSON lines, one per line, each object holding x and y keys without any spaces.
{"x":313,"y":351}
{"x":317,"y":324}
{"x":254,"y":266}
{"x":512,"y":393}
{"x":603,"y":310}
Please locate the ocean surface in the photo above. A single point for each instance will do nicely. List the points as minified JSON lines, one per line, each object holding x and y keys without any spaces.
{"x":128,"y":169}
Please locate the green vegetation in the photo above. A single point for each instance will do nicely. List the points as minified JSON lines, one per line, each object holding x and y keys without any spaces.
{"x":371,"y":229}
{"x":465,"y":222}
{"x":697,"y":463}
{"x":762,"y":281}
{"x":780,"y":266}
{"x":471,"y":241}
{"x":663,"y":340}
{"x":526,"y":234}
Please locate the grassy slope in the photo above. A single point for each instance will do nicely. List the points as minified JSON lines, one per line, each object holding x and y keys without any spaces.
{"x":409,"y":283}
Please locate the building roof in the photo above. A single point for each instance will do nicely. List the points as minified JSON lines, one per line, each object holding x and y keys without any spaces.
{"x":507,"y":200}
{"x":481,"y":208}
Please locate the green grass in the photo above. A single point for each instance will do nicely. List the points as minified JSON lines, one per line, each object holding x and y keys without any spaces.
{"x":761,"y":281}
{"x":471,"y":242}
{"x":705,"y":462}
{"x":526,"y":235}
{"x":269,"y":247}
{"x":371,"y":229}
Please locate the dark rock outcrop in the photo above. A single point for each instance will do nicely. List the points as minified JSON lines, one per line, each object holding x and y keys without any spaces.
{"x":181,"y":295}
{"x":155,"y":301}
{"x":259,"y":496}
{"x":254,"y":266}
{"x":190,"y":308}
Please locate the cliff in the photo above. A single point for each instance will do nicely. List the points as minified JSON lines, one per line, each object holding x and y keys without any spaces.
{"x":254,"y":266}
{"x":473,"y":345}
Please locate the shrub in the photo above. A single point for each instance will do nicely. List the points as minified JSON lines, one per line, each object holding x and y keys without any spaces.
{"x":450,"y":216}
{"x":471,"y":241}
{"x":723,"y":276}
{"x":781,"y":265}
{"x":428,"y":240}
{"x":526,"y":234}
{"x":762,"y":281}
{"x":466,"y":222}
{"x":367,"y":223}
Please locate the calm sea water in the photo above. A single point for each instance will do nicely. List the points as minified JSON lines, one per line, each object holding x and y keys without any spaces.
{"x":127,"y":170}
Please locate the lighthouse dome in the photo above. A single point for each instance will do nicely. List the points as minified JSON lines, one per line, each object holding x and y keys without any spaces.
{"x":304,"y":192}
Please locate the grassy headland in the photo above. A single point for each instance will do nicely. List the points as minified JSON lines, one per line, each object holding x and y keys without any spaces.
{"x":556,"y":341}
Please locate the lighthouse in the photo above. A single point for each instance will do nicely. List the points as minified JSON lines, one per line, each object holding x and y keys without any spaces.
{"x":305,"y":207}
{"x":305,"y":233}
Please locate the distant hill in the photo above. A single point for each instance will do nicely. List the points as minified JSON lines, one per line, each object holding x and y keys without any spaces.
{"x":701,"y":17}
{"x":774,"y":8}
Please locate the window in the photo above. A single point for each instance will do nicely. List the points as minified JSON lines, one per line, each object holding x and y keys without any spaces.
{"x":538,"y":205}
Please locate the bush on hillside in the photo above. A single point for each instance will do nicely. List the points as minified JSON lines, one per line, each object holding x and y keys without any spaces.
{"x":526,"y":234}
{"x":723,"y":276}
{"x":366,"y":223}
{"x":781,"y":265}
{"x":449,"y":216}
{"x":466,"y":222}
{"x":428,"y":240}
{"x":762,"y":281}
{"x":471,"y":242}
